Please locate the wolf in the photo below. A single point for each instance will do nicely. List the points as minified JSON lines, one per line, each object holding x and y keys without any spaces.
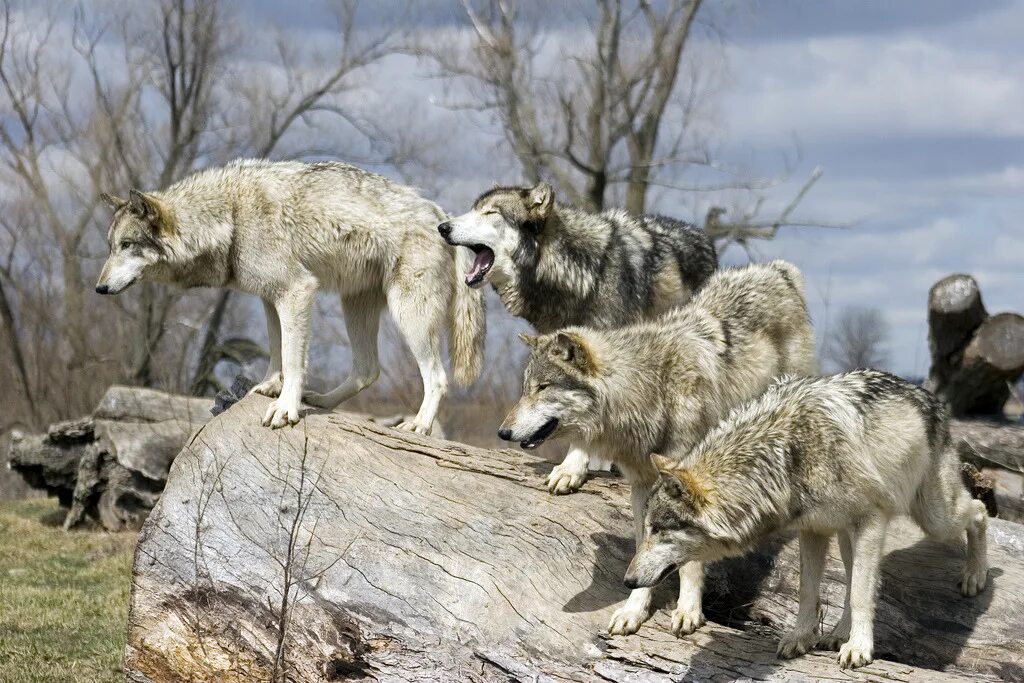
{"x":661,"y":385}
{"x":556,"y":266}
{"x":838,"y":455}
{"x":284,"y":230}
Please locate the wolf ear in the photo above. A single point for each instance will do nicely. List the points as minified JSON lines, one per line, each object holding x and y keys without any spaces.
{"x":571,"y":349}
{"x":540,"y":199}
{"x":113,"y":202}
{"x":663,"y":464}
{"x":528,"y":340}
{"x":150,"y":209}
{"x":143,"y":205}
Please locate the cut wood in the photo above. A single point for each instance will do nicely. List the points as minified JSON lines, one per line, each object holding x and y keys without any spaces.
{"x":975,"y":357}
{"x":343,"y":550}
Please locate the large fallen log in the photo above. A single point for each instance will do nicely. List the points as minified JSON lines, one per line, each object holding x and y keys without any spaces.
{"x":975,"y":357}
{"x":343,"y":550}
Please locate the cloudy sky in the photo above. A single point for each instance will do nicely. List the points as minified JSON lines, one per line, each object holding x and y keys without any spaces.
{"x":913,"y":110}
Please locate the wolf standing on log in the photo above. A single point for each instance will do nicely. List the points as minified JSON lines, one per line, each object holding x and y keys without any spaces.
{"x":557,"y":266}
{"x":824,"y":456}
{"x":661,"y":385}
{"x":282,"y":231}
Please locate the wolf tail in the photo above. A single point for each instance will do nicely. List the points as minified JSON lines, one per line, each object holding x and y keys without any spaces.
{"x":468,"y":322}
{"x":792,"y":275}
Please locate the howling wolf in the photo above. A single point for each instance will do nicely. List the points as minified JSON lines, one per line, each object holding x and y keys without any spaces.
{"x":556,"y":266}
{"x":663,"y":384}
{"x":824,"y":456}
{"x":282,"y":231}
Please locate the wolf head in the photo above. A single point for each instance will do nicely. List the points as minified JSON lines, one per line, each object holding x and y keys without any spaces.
{"x":137,"y":239}
{"x":558,"y":392}
{"x":499,"y":222}
{"x":673,"y":533}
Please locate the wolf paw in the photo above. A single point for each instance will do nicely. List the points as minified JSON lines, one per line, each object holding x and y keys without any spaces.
{"x":626,"y":621}
{"x":685,"y":622}
{"x":973,"y":580}
{"x":270,"y":386}
{"x":281,"y":413}
{"x":414,"y":428}
{"x":854,"y":653}
{"x":794,"y":644}
{"x":564,"y":479}
{"x":833,"y":641}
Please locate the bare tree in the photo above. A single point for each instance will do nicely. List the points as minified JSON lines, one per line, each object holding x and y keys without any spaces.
{"x":858,"y":339}
{"x":122,"y":96}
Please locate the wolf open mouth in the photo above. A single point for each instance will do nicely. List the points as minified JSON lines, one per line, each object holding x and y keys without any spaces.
{"x":546,"y":430}
{"x":481,"y":266}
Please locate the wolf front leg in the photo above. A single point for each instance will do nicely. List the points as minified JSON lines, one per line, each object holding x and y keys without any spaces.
{"x":569,"y":476}
{"x":688,"y":615}
{"x":841,"y":633}
{"x":628,"y":618}
{"x":271,"y":384}
{"x":362,"y":321}
{"x":293,"y":308}
{"x":868,"y":546}
{"x":812,"y":563}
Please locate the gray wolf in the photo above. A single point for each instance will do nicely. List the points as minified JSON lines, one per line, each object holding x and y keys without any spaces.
{"x":661,"y":385}
{"x":284,"y":230}
{"x":556,"y":266}
{"x":827,"y":455}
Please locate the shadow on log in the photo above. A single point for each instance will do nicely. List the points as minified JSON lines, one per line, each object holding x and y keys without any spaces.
{"x":343,"y":550}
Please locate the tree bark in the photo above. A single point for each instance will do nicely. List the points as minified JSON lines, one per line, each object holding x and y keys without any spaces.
{"x":342,"y":550}
{"x":974,"y":356}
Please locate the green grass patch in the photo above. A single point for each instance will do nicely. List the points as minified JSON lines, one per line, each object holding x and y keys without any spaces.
{"x":63,"y":598}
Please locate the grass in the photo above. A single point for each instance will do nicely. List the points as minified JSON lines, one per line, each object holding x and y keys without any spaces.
{"x":63,"y":597}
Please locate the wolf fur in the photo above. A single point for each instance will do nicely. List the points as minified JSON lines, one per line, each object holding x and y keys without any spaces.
{"x":828,"y":455}
{"x":556,"y":266}
{"x":661,"y":385}
{"x":282,"y":231}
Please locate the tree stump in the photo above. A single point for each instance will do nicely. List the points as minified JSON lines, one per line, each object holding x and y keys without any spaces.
{"x":344,"y":550}
{"x":975,"y":357}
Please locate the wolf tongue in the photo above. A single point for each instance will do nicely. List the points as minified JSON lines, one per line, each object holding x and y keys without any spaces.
{"x":481,"y":263}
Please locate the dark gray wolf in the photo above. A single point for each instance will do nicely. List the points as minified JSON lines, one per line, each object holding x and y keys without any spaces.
{"x":282,"y":231}
{"x":829,"y":455}
{"x":661,"y":385}
{"x":556,"y":266}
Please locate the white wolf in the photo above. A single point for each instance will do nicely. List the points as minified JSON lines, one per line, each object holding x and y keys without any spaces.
{"x":282,"y":231}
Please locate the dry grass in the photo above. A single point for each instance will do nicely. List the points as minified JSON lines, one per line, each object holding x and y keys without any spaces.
{"x":63,"y":598}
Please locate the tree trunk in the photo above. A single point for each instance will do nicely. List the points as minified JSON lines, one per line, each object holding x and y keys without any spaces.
{"x":342,"y":550}
{"x":974,"y":357}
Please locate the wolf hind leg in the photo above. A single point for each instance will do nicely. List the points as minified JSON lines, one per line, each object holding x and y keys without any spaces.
{"x":944,"y":509}
{"x":421,"y":318}
{"x":841,"y":633}
{"x":362,"y":322}
{"x":569,"y":476}
{"x":271,"y":384}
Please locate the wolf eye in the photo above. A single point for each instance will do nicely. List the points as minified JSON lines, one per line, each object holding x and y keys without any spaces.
{"x":125,"y":244}
{"x":542,"y":387}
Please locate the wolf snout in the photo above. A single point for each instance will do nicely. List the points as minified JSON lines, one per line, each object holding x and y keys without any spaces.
{"x":445,"y":229}
{"x":505,"y":434}
{"x":102,"y":289}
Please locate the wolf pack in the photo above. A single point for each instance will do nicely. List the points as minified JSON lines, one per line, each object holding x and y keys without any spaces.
{"x":699,"y":384}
